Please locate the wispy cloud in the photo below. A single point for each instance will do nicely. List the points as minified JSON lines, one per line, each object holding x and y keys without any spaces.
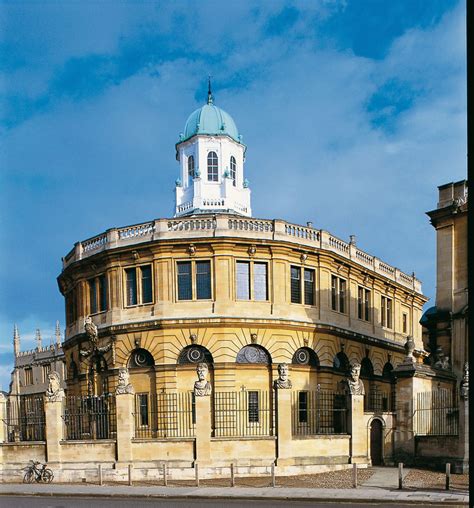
{"x":346,"y":125}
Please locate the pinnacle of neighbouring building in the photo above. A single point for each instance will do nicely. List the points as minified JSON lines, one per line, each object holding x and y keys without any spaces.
{"x":16,"y":340}
{"x":39,"y":342}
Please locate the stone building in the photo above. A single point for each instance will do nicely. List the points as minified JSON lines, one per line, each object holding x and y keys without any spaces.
{"x":215,"y":337}
{"x":32,"y":367}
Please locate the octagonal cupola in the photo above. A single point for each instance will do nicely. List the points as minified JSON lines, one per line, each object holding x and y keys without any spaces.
{"x":211,"y":156}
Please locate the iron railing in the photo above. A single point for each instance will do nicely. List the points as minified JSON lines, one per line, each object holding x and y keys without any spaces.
{"x":164,"y":415}
{"x":25,"y":419}
{"x":318,"y":412}
{"x":436,"y":413}
{"x":244,"y":413}
{"x":90,"y":417}
{"x":376,"y":401}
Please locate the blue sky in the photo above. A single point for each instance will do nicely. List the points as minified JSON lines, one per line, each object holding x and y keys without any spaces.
{"x":353,"y":113}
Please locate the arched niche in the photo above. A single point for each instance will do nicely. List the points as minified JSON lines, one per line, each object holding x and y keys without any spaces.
{"x":254,"y":354}
{"x":366,"y":368}
{"x":305,"y":356}
{"x":195,"y":354}
{"x":387,"y":372}
{"x":341,"y":363}
{"x":140,"y":358}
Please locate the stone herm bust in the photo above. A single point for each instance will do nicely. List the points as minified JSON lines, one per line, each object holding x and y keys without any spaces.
{"x":355,"y":385}
{"x":283,"y":380}
{"x":124,"y":385}
{"x":54,"y":393}
{"x":202,"y":387}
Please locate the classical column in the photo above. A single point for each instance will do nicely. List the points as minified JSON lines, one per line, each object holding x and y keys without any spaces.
{"x":53,"y":408}
{"x":202,"y":392}
{"x":124,"y":395}
{"x":283,"y":412}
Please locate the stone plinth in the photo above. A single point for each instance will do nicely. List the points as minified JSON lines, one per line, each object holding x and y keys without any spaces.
{"x":53,"y":429}
{"x":125,"y":426}
{"x":359,"y":446}
{"x":284,"y":449}
{"x":203,"y":430}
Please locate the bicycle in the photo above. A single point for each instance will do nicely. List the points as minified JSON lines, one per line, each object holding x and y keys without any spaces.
{"x":34,"y":473}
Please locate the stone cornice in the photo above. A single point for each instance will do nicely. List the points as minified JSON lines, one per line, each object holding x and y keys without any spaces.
{"x":164,"y":324}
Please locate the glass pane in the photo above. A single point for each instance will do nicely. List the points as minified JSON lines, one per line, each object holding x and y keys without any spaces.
{"x":389,"y":313}
{"x":243,"y":280}
{"x":203,"y":280}
{"x":143,"y":401}
{"x":360,"y":296}
{"x":308,"y":287}
{"x":367,"y":305}
{"x":147,"y":294}
{"x":253,"y":407}
{"x":342,"y":295}
{"x":184,"y":281}
{"x":333,"y":292}
{"x":102,"y":293}
{"x":212,"y":167}
{"x":295,"y":285}
{"x":191,"y":166}
{"x":303,"y":407}
{"x":260,"y":285}
{"x":384,"y":311}
{"x":92,"y":296}
{"x":131,"y":286}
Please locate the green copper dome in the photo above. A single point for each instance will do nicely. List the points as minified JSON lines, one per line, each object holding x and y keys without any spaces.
{"x":211,"y":120}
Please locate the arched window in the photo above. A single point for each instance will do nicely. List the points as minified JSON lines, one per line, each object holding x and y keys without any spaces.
{"x":387,"y":371}
{"x":195,"y":354}
{"x":253,"y":354}
{"x":305,"y":356}
{"x":366,"y":368}
{"x":212,"y":167}
{"x":191,"y":167}
{"x":140,"y":358}
{"x":233,"y":169}
{"x":341,"y":363}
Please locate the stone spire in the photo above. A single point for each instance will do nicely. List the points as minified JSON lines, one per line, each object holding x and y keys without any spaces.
{"x":57,"y":334}
{"x":38,"y":339}
{"x":16,"y":340}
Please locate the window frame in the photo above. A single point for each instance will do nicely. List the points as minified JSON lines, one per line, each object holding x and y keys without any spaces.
{"x":233,"y":169}
{"x":386,"y":307}
{"x":251,"y":280}
{"x":143,"y":396}
{"x":193,"y":274}
{"x":364,"y":304}
{"x":98,"y":294}
{"x":190,"y":171}
{"x":139,"y":288}
{"x":302,"y":270}
{"x":46,"y":370}
{"x":253,"y":412}
{"x":212,"y":169}
{"x":339,"y":296}
{"x":28,"y":376}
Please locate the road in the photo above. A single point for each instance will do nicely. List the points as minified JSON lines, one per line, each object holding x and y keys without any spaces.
{"x":83,"y":502}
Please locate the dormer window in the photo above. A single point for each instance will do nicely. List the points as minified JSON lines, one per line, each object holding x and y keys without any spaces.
{"x":191,"y":167}
{"x":233,"y":169}
{"x":212,"y":167}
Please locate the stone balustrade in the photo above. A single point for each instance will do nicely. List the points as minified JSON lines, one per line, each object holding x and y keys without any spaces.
{"x":241,"y":227}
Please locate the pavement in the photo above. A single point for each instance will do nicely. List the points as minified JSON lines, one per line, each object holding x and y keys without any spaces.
{"x":381,"y":488}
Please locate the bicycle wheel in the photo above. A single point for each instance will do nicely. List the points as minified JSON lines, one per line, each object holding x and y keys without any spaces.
{"x":29,"y":476}
{"x":47,"y":476}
